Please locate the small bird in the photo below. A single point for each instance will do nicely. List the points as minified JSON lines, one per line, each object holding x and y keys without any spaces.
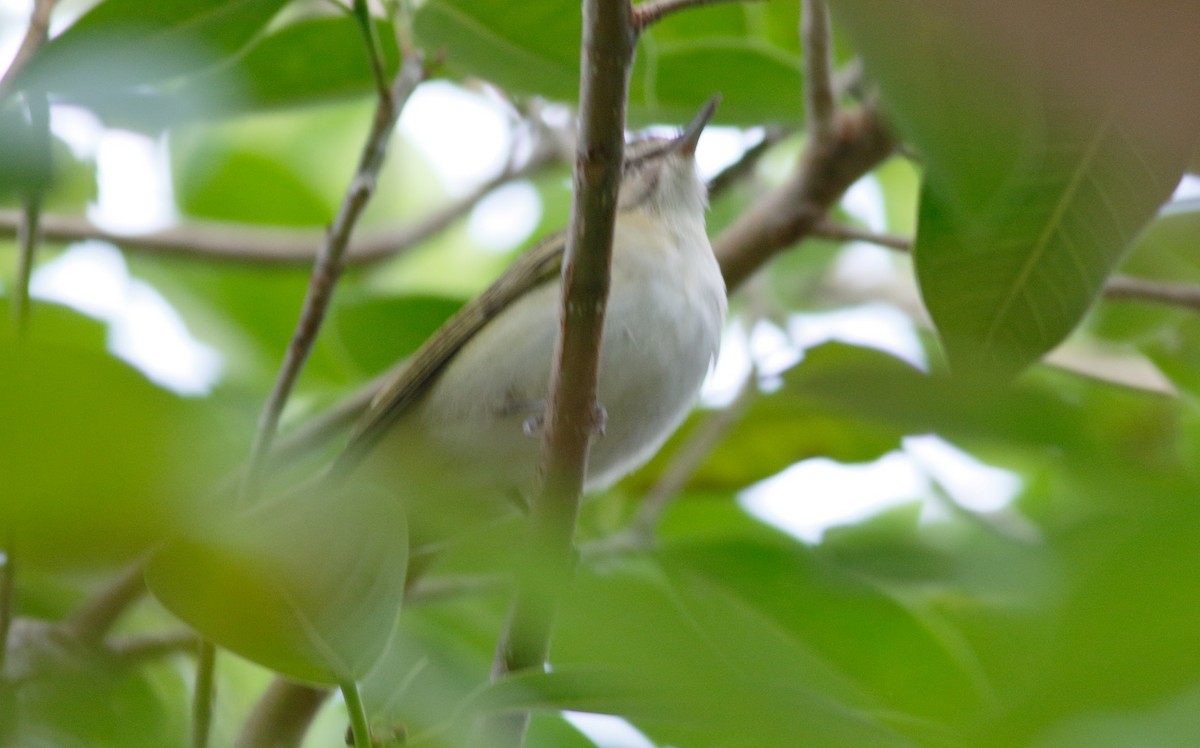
{"x":459,"y":421}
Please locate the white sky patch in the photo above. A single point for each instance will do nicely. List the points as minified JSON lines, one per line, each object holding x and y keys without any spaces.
{"x":1189,"y":187}
{"x":865,"y":201}
{"x":772,"y":351}
{"x":78,"y":128}
{"x":506,"y":217}
{"x":607,"y":731}
{"x":969,"y":482}
{"x":725,"y":379}
{"x":864,"y":266}
{"x":134,"y":176}
{"x":814,"y":495}
{"x":465,"y":135}
{"x":144,"y":329}
{"x":721,"y":146}
{"x":880,"y":326}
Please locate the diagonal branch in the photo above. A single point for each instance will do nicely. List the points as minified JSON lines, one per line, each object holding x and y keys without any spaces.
{"x":330,"y":261}
{"x":651,"y":12}
{"x":244,"y":243}
{"x":819,"y":97}
{"x":1118,"y":287}
{"x":35,"y":36}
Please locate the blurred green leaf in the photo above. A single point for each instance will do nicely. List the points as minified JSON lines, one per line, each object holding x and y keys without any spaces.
{"x":312,"y":61}
{"x":308,"y":585}
{"x":739,"y":52}
{"x":178,"y":34}
{"x":121,"y":57}
{"x":377,"y":332}
{"x":96,"y":463}
{"x":97,"y":705}
{"x":690,"y":647}
{"x":1032,"y":193}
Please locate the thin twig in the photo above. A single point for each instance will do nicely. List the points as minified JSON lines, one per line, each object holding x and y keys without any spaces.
{"x":92,"y":620}
{"x":1118,"y":287}
{"x":35,"y":37}
{"x":819,"y":97}
{"x":745,"y":164}
{"x":329,"y":263}
{"x":1125,"y":288}
{"x":136,"y":649}
{"x":247,"y":243}
{"x":840,"y":232}
{"x":651,"y":12}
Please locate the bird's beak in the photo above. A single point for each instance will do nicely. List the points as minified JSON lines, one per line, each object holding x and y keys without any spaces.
{"x":687,"y":140}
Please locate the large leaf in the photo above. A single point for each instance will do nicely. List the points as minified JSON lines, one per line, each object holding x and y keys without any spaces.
{"x":1034,"y":189}
{"x":533,"y":48}
{"x":308,"y":585}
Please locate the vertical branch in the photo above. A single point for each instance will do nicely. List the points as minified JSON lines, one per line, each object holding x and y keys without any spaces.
{"x":819,"y":97}
{"x":609,"y":39}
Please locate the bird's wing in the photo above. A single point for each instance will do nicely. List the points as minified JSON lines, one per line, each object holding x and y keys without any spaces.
{"x":540,"y":264}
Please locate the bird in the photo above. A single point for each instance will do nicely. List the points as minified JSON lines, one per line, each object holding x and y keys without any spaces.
{"x":458,"y":424}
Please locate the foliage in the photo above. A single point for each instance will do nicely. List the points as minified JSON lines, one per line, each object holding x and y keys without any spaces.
{"x":1068,"y":617}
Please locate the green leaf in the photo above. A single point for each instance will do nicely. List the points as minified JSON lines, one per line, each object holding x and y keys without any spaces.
{"x":1032,"y":192}
{"x":96,"y":463}
{"x":713,"y":673}
{"x":311,"y":61}
{"x":747,"y":54}
{"x":308,"y":585}
{"x":377,"y":332}
{"x":167,"y":31}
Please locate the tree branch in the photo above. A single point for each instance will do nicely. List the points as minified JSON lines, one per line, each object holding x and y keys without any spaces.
{"x":152,"y":646}
{"x":281,"y":716}
{"x":651,"y":12}
{"x":741,"y":168}
{"x":840,"y":232}
{"x":609,"y":40}
{"x":819,"y":98}
{"x":858,"y":142}
{"x":330,"y":263}
{"x":1125,"y":288}
{"x":246,"y":243}
{"x":35,"y":36}
{"x":92,"y":620}
{"x":1118,"y":287}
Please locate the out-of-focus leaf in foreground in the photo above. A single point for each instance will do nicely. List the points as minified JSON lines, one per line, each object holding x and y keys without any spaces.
{"x":1033,"y":190}
{"x":308,"y":585}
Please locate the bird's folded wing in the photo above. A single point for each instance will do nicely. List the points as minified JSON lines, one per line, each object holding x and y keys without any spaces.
{"x":398,"y":395}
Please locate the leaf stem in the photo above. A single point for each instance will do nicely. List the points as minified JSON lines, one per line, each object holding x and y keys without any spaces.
{"x":359,"y":726}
